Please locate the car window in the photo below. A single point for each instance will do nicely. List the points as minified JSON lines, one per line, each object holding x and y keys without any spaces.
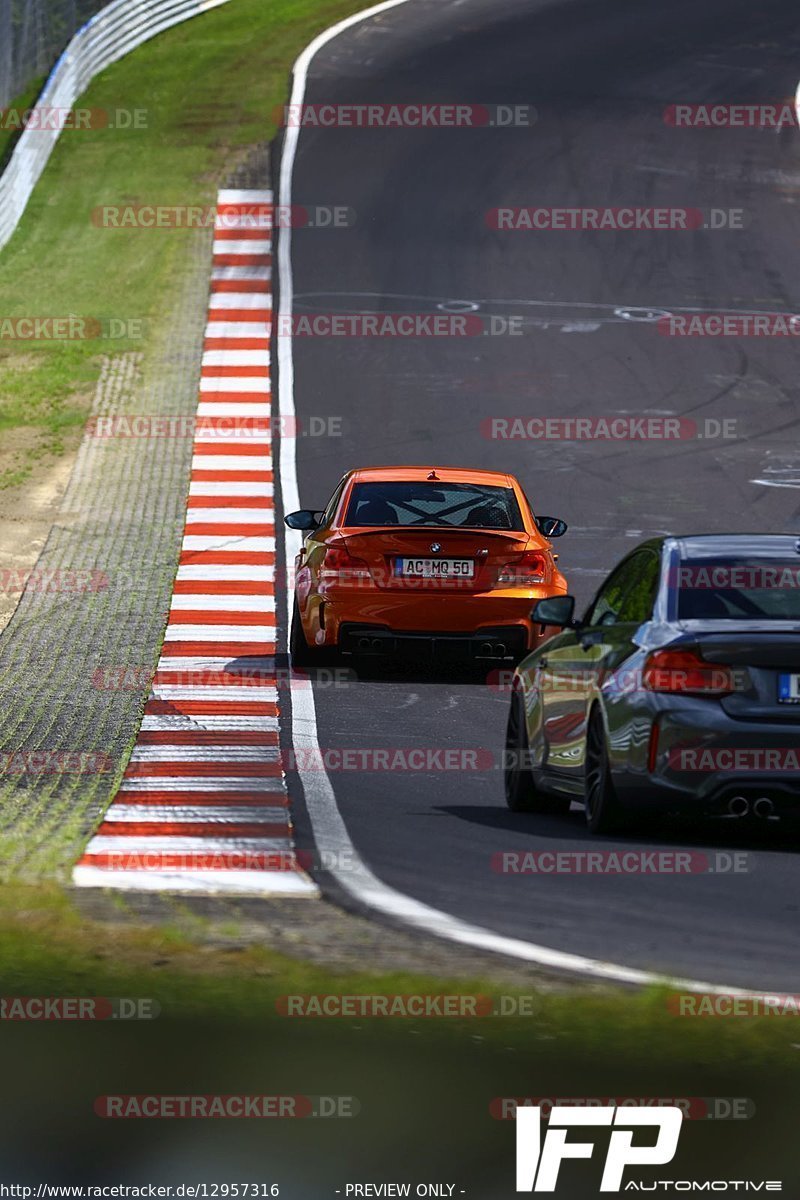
{"x":333,"y":503}
{"x":609,"y":606}
{"x":725,"y":589}
{"x":637,"y":605}
{"x":456,"y":505}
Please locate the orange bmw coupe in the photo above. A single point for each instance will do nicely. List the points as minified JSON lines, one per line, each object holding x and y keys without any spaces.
{"x":419,"y":560}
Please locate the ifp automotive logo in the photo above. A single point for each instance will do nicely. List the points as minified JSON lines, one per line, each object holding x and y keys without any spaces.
{"x":539,"y":1160}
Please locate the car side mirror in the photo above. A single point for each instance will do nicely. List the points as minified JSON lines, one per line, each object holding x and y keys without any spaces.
{"x":305,"y":519}
{"x":552,"y":526}
{"x":555,"y":610}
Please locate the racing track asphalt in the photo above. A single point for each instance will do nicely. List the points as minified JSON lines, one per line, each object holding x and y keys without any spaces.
{"x":600,"y":76}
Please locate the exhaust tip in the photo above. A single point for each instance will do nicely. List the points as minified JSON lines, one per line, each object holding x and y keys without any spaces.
{"x":500,"y":649}
{"x":738,"y":806}
{"x":763,"y":807}
{"x":363,"y":643}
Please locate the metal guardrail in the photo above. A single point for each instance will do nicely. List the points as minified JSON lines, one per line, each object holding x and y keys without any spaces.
{"x":117,"y":29}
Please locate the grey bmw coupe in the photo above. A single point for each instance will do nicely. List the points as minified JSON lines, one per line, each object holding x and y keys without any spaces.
{"x":679,"y":688}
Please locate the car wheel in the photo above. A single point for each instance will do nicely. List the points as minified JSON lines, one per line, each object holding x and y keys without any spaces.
{"x":603,"y":811}
{"x":301,"y":654}
{"x":522,"y":795}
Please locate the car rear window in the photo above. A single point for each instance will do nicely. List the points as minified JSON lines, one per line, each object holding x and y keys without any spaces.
{"x":749,"y":589}
{"x":442,"y":504}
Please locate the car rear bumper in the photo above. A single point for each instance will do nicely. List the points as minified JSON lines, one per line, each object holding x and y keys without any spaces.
{"x":499,"y":644}
{"x":498,"y":616}
{"x":706,"y":760}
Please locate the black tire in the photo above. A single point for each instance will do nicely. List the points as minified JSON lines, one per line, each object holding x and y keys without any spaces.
{"x":522,"y":795}
{"x":603,"y":811}
{"x":301,"y":654}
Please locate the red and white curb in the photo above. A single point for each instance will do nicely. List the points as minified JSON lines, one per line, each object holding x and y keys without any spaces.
{"x":203,"y":805}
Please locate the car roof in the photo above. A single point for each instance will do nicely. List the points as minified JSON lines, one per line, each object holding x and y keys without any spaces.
{"x":444,"y":474}
{"x":765,"y":545}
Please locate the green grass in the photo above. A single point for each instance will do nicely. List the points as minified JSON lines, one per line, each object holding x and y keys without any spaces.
{"x":48,"y":948}
{"x":208,"y":90}
{"x":47,"y":393}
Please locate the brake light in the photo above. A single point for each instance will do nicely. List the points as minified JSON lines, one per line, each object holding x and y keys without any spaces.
{"x":684,"y":671}
{"x":341,"y":567}
{"x":530,"y":568}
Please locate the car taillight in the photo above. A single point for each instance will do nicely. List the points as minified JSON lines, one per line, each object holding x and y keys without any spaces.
{"x":341,"y":567}
{"x":685,"y":671}
{"x":529,"y":569}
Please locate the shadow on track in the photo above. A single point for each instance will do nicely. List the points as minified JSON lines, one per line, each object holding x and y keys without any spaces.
{"x":656,"y":832}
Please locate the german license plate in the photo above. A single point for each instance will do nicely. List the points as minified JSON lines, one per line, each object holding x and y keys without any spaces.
{"x":789,"y":689}
{"x":435,"y":568}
